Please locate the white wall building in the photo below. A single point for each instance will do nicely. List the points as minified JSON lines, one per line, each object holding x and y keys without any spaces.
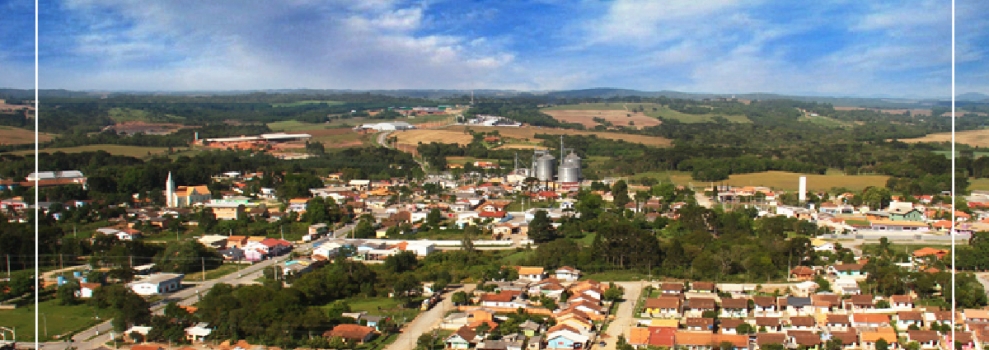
{"x":158,"y":283}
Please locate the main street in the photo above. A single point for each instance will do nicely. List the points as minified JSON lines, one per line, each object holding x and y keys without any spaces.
{"x":426,"y":321}
{"x":100,"y":334}
{"x":623,"y":317}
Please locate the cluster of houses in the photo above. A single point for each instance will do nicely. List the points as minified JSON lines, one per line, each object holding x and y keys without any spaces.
{"x":705,"y":315}
{"x":577,"y":318}
{"x":247,"y":248}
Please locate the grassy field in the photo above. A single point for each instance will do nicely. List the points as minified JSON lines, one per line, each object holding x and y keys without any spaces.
{"x":16,"y":136}
{"x":120,"y":150}
{"x":825,"y":121}
{"x":518,"y":258}
{"x":61,"y":320}
{"x":617,"y":275}
{"x":978,"y":184}
{"x":383,"y":306}
{"x":906,"y":248}
{"x":618,"y":117}
{"x":218,"y":272}
{"x":651,"y":110}
{"x":455,"y":134}
{"x":975,"y":138}
{"x":306,"y":102}
{"x":121,"y":115}
{"x":781,"y":180}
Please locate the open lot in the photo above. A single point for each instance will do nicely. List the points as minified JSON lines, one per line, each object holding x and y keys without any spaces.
{"x":649,"y":110}
{"x":120,"y":115}
{"x":16,"y":136}
{"x":615,"y":117}
{"x":60,"y":319}
{"x":976,"y":138}
{"x":132,"y":151}
{"x":781,"y":180}
{"x":526,"y":135}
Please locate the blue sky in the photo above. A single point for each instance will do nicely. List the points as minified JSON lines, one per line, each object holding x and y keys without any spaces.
{"x":831,"y":47}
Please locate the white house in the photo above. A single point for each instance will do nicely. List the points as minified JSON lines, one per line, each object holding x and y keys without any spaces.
{"x":567,"y":273}
{"x":158,"y":283}
{"x":198,"y":333}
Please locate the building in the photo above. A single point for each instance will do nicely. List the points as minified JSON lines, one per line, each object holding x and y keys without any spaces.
{"x":185,"y":196}
{"x":158,"y":283}
{"x":224,"y":211}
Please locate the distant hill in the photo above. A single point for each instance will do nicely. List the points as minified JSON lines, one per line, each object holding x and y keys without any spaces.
{"x":973,"y":97}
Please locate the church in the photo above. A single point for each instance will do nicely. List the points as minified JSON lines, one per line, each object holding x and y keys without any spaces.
{"x":185,"y":196}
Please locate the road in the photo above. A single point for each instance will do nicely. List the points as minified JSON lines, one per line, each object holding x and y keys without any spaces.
{"x":99,"y":335}
{"x":703,"y":200}
{"x":623,"y":317}
{"x":426,"y":321}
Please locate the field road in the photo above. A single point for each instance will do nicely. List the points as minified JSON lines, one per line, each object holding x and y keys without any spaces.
{"x":623,"y":317}
{"x":426,"y":321}
{"x":703,"y":200}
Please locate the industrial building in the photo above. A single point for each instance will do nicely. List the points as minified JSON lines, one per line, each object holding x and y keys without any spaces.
{"x":392,"y":126}
{"x":544,"y":166}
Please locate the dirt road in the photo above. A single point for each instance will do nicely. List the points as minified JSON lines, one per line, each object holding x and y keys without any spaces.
{"x":623,"y":317}
{"x":426,"y":322}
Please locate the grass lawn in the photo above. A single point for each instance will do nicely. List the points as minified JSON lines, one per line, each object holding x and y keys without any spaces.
{"x":218,"y":272}
{"x":781,"y":180}
{"x":825,"y":121}
{"x":617,"y":275}
{"x":909,"y":248}
{"x":450,"y":234}
{"x":61,"y":320}
{"x":120,"y":150}
{"x":384,"y":306}
{"x":17,"y":136}
{"x":517,"y":258}
{"x":978,"y":184}
{"x":306,"y":102}
{"x":121,"y":115}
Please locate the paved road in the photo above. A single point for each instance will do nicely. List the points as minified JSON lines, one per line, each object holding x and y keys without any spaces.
{"x":188,"y":296}
{"x":426,"y":322}
{"x":623,"y":317}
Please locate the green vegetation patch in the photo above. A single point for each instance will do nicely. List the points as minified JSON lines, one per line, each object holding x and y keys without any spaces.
{"x":307,"y":102}
{"x":61,"y":319}
{"x":651,"y":109}
{"x":119,"y":150}
{"x":120,"y":115}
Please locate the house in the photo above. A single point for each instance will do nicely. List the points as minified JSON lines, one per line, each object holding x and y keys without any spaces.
{"x":565,"y":337}
{"x":535,"y":343}
{"x":198,"y":333}
{"x":846,"y":286}
{"x":157,"y":284}
{"x":531,"y":273}
{"x":862,"y":320}
{"x":966,"y":339}
{"x":639,"y":337}
{"x":901,"y":302}
{"x":868,"y":339}
{"x":463,"y":338}
{"x":662,"y":336}
{"x":905,"y":214}
{"x":502,"y":299}
{"x":769,"y":324}
{"x":696,"y":307}
{"x":927,"y":253}
{"x":729,"y":325}
{"x":860,"y":302}
{"x":671,"y":289}
{"x":838,"y":322}
{"x":802,"y":273}
{"x":803,"y":323}
{"x":236,"y":241}
{"x":976,"y":316}
{"x":905,"y":319}
{"x":763,"y":339}
{"x":694,"y":340}
{"x":567,"y":273}
{"x":804,"y":339}
{"x":734,"y":307}
{"x":703,"y":287}
{"x":351,"y":332}
{"x":825,"y":303}
{"x":926,"y":339}
{"x":663,"y":307}
{"x":849,"y":339}
{"x":846,"y":270}
{"x":227,"y":211}
{"x":765,"y":306}
{"x":86,"y":290}
{"x":699,"y":324}
{"x":799,"y":305}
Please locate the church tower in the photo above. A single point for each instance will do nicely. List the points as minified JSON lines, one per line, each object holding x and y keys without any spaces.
{"x":171,"y":201}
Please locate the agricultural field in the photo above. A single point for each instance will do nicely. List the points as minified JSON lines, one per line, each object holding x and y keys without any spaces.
{"x":331,"y":137}
{"x":975,"y":138}
{"x":120,"y":115}
{"x":120,"y":150}
{"x":650,"y":110}
{"x":306,"y":102}
{"x":925,"y":112}
{"x":618,"y":116}
{"x":16,"y":136}
{"x":781,"y":180}
{"x":825,"y":121}
{"x":525,"y":135}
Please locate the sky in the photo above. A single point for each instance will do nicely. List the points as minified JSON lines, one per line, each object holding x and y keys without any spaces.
{"x":828,"y":47}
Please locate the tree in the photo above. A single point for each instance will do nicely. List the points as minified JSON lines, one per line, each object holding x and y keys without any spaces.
{"x":614,"y":292}
{"x":434,"y":218}
{"x":882,"y":344}
{"x":745,"y":328}
{"x":426,"y":341}
{"x":186,"y":257}
{"x":66,"y":293}
{"x":401,"y":262}
{"x":620,"y":192}
{"x":460,"y":298}
{"x":540,"y":229}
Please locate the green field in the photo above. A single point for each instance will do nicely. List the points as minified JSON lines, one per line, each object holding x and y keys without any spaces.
{"x":120,"y":150}
{"x":383,"y":306}
{"x":978,"y":184}
{"x":781,"y":180}
{"x":61,"y":320}
{"x":218,"y":272}
{"x":825,"y":121}
{"x":908,"y":248}
{"x":121,"y":115}
{"x":653,"y":110}
{"x":978,"y":154}
{"x":306,"y":102}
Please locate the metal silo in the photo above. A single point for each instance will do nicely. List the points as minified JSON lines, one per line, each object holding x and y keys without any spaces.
{"x":545,"y":166}
{"x":570,"y":169}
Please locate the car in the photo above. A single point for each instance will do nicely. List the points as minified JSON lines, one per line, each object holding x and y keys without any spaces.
{"x":602,"y":344}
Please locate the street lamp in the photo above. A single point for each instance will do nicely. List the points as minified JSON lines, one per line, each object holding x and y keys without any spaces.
{"x":45,"y":318}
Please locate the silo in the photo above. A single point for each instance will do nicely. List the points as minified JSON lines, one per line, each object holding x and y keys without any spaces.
{"x":570,"y":169}
{"x":546,"y":165}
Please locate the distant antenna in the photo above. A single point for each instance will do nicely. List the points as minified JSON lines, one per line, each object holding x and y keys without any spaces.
{"x":561,"y":148}
{"x":472,"y":97}
{"x":516,"y":160}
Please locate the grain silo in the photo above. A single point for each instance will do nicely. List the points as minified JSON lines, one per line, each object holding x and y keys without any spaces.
{"x":545,"y":165}
{"x":570,"y":168}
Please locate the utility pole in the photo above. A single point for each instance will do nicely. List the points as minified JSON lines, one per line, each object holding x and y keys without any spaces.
{"x":8,"y":266}
{"x":203,"y":260}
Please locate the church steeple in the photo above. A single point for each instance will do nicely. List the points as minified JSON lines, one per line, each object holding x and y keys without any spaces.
{"x":170,"y":199}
